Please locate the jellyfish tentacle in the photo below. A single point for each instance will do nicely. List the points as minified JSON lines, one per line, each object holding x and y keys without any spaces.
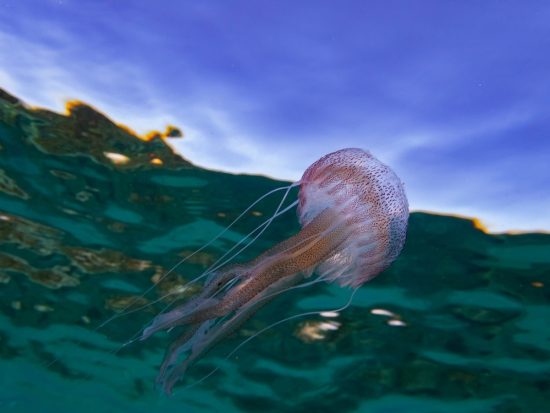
{"x":327,"y":234}
{"x":185,"y":342}
{"x":262,"y":227}
{"x":214,"y":284}
{"x":203,"y":340}
{"x":178,"y":347}
{"x":277,"y":270}
{"x":166,"y":319}
{"x":212,"y":271}
{"x":269,"y":327}
{"x":206,"y":300}
{"x":124,"y":312}
{"x":203,"y":300}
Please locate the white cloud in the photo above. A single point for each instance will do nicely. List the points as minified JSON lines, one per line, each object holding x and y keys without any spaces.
{"x":218,"y":136}
{"x":46,"y":77}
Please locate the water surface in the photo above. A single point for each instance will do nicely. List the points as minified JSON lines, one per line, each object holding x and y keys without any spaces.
{"x":91,"y":216}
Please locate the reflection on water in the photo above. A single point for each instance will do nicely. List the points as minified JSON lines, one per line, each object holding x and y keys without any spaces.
{"x":91,"y":217}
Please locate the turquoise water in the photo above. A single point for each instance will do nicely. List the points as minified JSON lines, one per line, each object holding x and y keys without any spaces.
{"x":458,"y":324}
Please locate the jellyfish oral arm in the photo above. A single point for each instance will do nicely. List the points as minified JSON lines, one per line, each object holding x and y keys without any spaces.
{"x":297,"y":255}
{"x":200,"y":338}
{"x":206,"y":298}
{"x":216,"y":313}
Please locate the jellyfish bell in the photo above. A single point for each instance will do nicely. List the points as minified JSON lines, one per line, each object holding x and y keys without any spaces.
{"x":353,"y":212}
{"x":365,"y":197}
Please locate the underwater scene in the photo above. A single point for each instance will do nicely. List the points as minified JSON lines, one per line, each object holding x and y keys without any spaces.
{"x":95,"y":222}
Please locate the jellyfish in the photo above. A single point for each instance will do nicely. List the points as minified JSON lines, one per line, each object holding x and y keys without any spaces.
{"x":353,"y":213}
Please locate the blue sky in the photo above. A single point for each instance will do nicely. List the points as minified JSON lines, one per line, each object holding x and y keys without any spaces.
{"x":454,"y":95}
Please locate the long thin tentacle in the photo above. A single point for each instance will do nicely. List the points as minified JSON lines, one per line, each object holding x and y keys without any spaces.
{"x":175,"y":266}
{"x":263,"y":330}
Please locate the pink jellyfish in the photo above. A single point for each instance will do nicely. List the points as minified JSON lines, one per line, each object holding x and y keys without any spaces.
{"x":353,"y":212}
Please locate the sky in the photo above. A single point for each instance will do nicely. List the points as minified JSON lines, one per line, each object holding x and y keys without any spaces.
{"x":453,"y":95}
